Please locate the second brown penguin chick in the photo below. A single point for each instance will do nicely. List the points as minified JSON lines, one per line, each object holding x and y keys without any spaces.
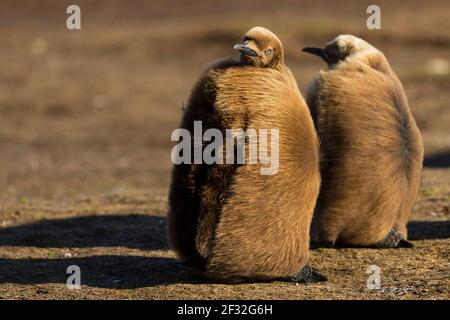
{"x":371,"y":147}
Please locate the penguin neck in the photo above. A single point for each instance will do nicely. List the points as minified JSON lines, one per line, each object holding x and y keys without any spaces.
{"x":376,"y":60}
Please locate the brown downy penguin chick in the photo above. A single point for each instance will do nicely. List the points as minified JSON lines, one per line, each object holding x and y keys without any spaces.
{"x":371,"y":148}
{"x":229,"y":220}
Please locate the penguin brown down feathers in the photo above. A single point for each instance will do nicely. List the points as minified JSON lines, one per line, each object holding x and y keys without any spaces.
{"x":372,"y":150}
{"x":229,"y":220}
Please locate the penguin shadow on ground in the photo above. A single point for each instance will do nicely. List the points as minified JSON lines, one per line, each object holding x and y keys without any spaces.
{"x":437,"y":160}
{"x":135,"y":231}
{"x":428,"y":230}
{"x":105,"y":271}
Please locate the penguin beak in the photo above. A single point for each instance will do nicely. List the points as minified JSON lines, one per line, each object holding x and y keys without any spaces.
{"x":245,"y":50}
{"x":315,"y":51}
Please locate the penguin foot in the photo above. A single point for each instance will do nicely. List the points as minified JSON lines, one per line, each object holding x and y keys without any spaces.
{"x":394,"y":239}
{"x":405,"y":244}
{"x":307,"y":275}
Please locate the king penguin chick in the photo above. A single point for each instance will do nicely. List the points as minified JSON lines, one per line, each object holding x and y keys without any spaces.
{"x":371,"y":148}
{"x":229,"y":220}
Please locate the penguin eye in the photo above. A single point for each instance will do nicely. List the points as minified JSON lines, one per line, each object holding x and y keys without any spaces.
{"x":268,"y":52}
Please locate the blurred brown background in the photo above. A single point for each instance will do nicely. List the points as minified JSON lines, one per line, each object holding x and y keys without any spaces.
{"x":86,"y":118}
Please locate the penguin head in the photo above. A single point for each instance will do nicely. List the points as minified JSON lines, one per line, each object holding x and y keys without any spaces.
{"x":340,"y":48}
{"x":261,"y":48}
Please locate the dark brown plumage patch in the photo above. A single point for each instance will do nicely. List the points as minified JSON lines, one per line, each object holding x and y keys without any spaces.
{"x":193,"y":207}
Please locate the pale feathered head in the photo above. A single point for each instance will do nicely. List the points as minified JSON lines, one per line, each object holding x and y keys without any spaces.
{"x":342,"y":47}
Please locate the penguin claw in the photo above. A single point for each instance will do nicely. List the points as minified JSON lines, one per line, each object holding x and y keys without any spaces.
{"x":394,"y":240}
{"x":405,"y":244}
{"x":308,"y":275}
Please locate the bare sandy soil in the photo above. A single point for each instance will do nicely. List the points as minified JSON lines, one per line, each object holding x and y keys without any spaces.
{"x":85,"y":124}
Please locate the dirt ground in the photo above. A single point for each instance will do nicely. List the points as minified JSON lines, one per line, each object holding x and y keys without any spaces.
{"x":85,"y":124}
